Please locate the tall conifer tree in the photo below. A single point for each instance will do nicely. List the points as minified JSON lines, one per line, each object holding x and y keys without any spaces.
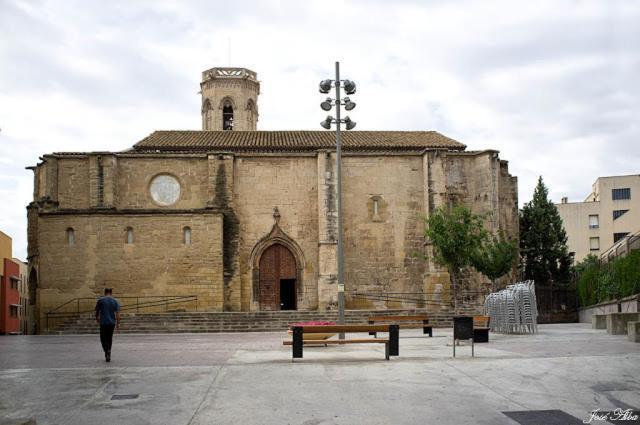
{"x":543,"y":240}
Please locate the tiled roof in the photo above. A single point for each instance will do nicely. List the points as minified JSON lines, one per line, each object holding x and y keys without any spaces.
{"x":293,"y":141}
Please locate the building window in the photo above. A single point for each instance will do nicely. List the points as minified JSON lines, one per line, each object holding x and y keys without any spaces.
{"x":71,"y":237}
{"x":13,"y":310}
{"x":624,"y":193}
{"x":594,"y":244}
{"x":618,"y":213}
{"x":165,"y":189}
{"x":14,"y":282}
{"x":618,"y":236}
{"x":593,"y":221}
{"x":186,"y":236}
{"x":129,"y":235}
{"x":227,"y":116}
{"x":376,"y":208}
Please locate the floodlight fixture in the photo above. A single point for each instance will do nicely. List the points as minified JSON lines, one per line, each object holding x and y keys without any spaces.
{"x":348,"y":104}
{"x":350,"y":124}
{"x":326,"y":124}
{"x":325,"y":86}
{"x":326,"y":105}
{"x":349,"y":87}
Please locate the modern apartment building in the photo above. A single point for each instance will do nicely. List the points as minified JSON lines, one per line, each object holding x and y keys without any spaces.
{"x":9,"y":293}
{"x":608,"y":214}
{"x":25,"y":312}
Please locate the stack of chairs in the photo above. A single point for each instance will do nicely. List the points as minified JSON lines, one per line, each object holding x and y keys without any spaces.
{"x":514,"y":309}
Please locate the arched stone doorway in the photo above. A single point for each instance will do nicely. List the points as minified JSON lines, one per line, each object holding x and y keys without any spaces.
{"x":277,"y":281}
{"x":277,"y":265}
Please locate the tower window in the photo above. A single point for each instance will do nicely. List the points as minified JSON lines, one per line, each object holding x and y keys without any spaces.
{"x":71,"y":237}
{"x":129,"y":235}
{"x":186,"y":236}
{"x":227,"y":116}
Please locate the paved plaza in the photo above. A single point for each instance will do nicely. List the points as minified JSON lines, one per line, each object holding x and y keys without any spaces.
{"x":248,"y":378}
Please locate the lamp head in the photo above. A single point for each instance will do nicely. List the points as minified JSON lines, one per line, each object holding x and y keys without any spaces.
{"x":349,"y":87}
{"x":326,"y":124}
{"x":325,"y":86}
{"x":326,"y":105}
{"x":350,"y":124}
{"x":348,"y":104}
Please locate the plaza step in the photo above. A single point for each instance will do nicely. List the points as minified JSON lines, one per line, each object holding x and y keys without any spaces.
{"x":259,"y":321}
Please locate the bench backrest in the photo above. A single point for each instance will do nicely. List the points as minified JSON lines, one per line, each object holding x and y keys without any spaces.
{"x":481,"y":321}
{"x":397,"y":318}
{"x":343,"y":328}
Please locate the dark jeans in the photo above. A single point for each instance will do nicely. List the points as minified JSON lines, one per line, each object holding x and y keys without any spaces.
{"x":106,"y":337}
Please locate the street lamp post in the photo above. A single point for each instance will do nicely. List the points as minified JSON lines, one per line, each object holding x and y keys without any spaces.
{"x":350,"y":88}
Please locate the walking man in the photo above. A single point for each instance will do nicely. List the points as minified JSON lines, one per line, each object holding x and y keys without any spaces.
{"x":108,"y":316}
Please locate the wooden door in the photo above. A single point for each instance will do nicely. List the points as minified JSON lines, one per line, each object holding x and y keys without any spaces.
{"x":276,"y":263}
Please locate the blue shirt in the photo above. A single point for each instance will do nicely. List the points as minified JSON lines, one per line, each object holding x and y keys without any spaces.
{"x":107,"y":307}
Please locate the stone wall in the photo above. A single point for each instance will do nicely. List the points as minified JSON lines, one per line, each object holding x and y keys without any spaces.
{"x":157,"y":263}
{"x":134,"y":176}
{"x":290,"y":184}
{"x":382,"y":244}
{"x":73,"y":183}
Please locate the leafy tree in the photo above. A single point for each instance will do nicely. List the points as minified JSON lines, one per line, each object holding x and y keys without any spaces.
{"x":456,"y":235}
{"x":543,"y":240}
{"x":495,"y":258}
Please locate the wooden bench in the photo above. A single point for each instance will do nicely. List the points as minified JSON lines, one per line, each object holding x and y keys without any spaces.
{"x":426,"y":328}
{"x":391,"y":344}
{"x":481,"y":328}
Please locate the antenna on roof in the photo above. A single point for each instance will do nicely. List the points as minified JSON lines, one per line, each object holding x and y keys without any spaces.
{"x":229,"y":49}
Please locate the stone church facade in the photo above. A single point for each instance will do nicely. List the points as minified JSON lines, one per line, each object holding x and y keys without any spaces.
{"x":246,"y":219}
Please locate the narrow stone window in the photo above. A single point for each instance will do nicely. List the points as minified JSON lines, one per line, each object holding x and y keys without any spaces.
{"x":186,"y":236}
{"x":227,"y":116}
{"x":71,"y":237}
{"x":376,"y":208}
{"x":129,"y":235}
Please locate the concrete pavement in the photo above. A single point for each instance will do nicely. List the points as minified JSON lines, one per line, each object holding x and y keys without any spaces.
{"x":248,"y":378}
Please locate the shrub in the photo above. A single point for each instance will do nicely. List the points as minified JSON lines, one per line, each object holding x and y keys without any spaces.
{"x":597,"y":282}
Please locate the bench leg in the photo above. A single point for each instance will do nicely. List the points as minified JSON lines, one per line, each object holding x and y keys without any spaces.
{"x":472,"y":354}
{"x":298,"y":343}
{"x":386,"y":351}
{"x":454,"y":347}
{"x":426,"y":329}
{"x":394,"y":340}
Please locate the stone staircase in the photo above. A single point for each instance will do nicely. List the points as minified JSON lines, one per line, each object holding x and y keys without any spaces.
{"x":258,"y":321}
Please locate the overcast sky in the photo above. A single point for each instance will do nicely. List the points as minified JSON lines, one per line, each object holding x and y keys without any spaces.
{"x":552,"y":85}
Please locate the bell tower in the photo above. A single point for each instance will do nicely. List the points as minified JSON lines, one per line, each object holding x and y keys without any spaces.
{"x":229,"y":99}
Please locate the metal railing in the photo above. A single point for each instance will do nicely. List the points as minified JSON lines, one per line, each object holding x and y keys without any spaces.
{"x":622,"y":247}
{"x":421,"y":299}
{"x":76,"y":307}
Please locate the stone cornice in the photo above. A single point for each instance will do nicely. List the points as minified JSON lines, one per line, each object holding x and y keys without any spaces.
{"x":137,"y":211}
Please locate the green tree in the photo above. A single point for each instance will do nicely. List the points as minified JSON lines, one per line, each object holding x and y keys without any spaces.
{"x":543,"y":240}
{"x":456,"y":235}
{"x":495,"y":258}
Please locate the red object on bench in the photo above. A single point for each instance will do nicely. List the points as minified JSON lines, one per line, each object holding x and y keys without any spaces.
{"x":319,"y":323}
